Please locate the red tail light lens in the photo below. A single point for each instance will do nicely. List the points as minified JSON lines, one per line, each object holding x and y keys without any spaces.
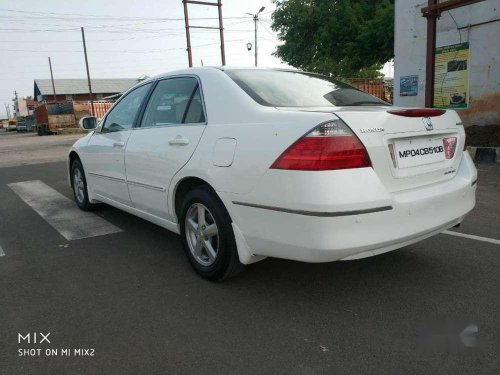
{"x":425,"y":112}
{"x":329,"y":146}
{"x":449,"y":145}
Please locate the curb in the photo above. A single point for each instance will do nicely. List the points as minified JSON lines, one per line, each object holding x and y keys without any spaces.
{"x":484,"y":154}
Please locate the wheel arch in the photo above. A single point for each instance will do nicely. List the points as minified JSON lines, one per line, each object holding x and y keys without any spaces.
{"x":182,"y":187}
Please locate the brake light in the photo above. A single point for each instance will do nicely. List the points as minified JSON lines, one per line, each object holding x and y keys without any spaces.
{"x":449,"y":145}
{"x":329,"y":146}
{"x":417,"y":112}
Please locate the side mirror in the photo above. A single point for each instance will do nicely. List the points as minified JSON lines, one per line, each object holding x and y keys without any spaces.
{"x":88,"y":123}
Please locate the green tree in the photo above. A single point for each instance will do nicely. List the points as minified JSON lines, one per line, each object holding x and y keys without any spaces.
{"x":347,"y":38}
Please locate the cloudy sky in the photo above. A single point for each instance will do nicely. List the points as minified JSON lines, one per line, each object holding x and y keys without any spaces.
{"x":125,"y":39}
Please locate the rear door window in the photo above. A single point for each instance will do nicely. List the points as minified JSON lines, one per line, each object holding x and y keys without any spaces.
{"x":174,"y":101}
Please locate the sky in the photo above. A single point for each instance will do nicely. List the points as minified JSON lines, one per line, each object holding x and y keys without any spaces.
{"x":125,"y":39}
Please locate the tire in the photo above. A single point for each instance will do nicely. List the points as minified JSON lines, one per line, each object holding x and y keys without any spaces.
{"x":79,"y":187}
{"x":225,"y":263}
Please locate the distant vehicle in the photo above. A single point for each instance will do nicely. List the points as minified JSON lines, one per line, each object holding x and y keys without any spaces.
{"x":250,"y":163}
{"x":52,"y":118}
{"x":21,"y":125}
{"x":11,"y":125}
{"x":30,"y":123}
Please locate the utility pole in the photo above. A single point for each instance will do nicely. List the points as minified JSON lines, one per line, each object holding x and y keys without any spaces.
{"x":16,"y":103}
{"x":255,"y":20}
{"x":188,"y":36}
{"x":218,"y":4}
{"x":7,"y":109}
{"x":221,"y":33}
{"x":52,"y":79}
{"x":88,"y":73}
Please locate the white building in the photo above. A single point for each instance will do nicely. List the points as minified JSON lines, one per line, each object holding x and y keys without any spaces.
{"x":479,"y":25}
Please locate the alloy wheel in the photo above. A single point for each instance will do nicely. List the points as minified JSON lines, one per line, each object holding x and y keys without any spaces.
{"x":78,"y":185}
{"x":202,"y":234}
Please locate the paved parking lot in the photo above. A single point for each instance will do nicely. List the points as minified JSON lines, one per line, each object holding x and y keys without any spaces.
{"x":131,"y":300}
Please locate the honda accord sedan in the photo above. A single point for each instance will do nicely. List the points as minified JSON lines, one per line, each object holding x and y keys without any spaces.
{"x":246,"y":164}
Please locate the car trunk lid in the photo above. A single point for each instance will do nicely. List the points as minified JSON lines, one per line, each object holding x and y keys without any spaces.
{"x":408,"y":148}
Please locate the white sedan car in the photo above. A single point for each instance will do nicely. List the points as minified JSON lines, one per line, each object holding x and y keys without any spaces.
{"x":252,"y":163}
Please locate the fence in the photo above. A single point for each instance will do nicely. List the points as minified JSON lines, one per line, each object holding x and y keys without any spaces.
{"x":83,"y":109}
{"x":374,"y":86}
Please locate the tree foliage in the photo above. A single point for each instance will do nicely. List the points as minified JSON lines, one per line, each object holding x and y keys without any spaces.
{"x":348,"y":38}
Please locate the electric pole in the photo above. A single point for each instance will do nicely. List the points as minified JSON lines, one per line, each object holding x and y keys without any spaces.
{"x":7,"y":109}
{"x":255,"y":20}
{"x":88,"y":73}
{"x":52,"y":79}
{"x":218,"y":4}
{"x":16,"y":104}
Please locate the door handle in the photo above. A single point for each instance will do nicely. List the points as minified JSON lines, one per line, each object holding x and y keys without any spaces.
{"x":119,"y":144}
{"x":179,"y":142}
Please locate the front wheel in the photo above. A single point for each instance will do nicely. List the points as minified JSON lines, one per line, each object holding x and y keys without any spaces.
{"x":79,"y":185}
{"x":207,"y":236}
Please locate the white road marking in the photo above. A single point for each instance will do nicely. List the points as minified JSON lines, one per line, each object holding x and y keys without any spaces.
{"x":61,"y":212}
{"x":2,"y":253}
{"x":472,"y":237}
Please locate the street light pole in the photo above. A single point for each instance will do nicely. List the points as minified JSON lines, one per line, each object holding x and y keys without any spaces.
{"x":255,"y":20}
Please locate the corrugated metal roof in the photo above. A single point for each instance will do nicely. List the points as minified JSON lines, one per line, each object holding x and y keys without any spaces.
{"x":80,"y":86}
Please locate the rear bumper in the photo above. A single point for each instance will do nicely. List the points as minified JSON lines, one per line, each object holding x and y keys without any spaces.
{"x":414,"y":215}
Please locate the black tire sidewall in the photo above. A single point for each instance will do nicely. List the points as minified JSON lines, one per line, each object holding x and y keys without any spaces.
{"x":85,"y":205}
{"x":227,"y":253}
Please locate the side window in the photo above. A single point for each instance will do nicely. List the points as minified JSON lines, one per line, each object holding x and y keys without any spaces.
{"x":122,"y":116}
{"x":174,"y":101}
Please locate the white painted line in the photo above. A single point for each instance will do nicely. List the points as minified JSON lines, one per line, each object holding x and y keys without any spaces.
{"x":472,"y":237}
{"x":2,"y":253}
{"x":60,"y":212}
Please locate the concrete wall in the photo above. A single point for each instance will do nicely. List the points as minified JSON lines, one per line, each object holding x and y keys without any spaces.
{"x":484,"y":54}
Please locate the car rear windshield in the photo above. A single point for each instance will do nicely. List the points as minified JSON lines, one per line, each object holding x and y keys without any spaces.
{"x":276,"y":88}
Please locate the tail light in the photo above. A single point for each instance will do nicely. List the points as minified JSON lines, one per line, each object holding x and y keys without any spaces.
{"x":331,"y":145}
{"x":449,"y":145}
{"x":416,"y":112}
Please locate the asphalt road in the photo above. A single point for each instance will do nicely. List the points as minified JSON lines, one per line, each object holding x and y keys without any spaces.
{"x":28,"y":148}
{"x":132,"y":299}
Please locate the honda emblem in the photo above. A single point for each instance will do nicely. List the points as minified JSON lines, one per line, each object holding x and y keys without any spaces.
{"x":428,"y":123}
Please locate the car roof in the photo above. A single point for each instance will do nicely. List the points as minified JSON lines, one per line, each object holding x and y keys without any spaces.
{"x":202,"y":69}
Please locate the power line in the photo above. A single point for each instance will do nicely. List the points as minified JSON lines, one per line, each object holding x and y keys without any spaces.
{"x":105,"y":17}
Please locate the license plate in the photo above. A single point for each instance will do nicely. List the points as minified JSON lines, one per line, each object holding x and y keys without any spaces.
{"x":418,"y":151}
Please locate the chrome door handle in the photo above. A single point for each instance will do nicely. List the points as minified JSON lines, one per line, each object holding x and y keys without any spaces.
{"x":119,"y":144}
{"x":179,"y":142}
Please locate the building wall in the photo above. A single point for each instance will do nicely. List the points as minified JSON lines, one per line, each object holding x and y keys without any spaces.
{"x":22,"y":108}
{"x":484,"y":54}
{"x":74,"y":97}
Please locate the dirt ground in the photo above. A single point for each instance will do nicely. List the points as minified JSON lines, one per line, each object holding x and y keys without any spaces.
{"x":483,"y":136}
{"x":18,"y":149}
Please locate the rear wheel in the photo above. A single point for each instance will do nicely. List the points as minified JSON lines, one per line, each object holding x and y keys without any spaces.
{"x":79,"y":185}
{"x":207,"y":236}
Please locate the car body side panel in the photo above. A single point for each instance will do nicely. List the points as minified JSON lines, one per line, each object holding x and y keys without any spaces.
{"x":151,"y":162}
